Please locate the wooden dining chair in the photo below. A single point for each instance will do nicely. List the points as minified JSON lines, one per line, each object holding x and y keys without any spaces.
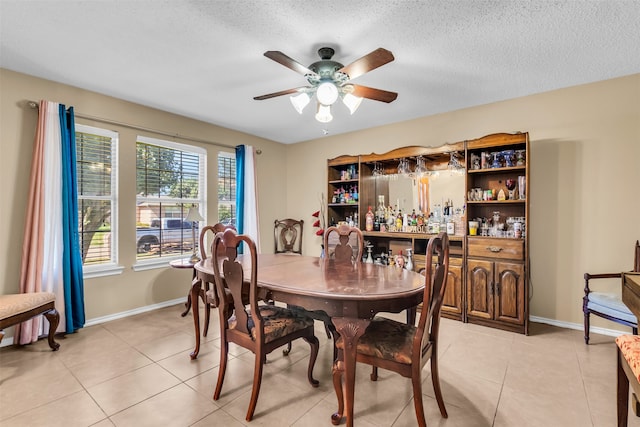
{"x":405,"y":348}
{"x":258,"y":328}
{"x":288,"y":236}
{"x":608,"y":305}
{"x":343,"y":250}
{"x":210,"y":298}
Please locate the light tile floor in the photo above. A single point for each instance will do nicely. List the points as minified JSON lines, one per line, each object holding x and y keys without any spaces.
{"x":137,"y":372}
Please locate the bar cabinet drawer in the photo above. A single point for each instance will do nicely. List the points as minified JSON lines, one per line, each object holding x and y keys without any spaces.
{"x":496,"y":248}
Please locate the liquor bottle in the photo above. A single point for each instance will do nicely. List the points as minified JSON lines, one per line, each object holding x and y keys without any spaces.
{"x":368,"y":225}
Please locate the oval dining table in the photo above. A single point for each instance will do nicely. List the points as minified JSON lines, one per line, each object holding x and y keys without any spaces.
{"x":350,"y":293}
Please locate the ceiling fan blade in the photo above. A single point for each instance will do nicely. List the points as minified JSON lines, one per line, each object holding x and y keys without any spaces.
{"x":369,"y":62}
{"x":288,"y":62}
{"x":373,"y":93}
{"x":282,"y":92}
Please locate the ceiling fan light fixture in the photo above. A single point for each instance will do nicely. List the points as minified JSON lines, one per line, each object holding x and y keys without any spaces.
{"x":324,"y":113}
{"x":327,"y":93}
{"x":351,"y":101}
{"x":300,"y":101}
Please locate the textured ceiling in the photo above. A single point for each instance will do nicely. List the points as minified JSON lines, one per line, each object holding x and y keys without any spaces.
{"x":204,"y":59}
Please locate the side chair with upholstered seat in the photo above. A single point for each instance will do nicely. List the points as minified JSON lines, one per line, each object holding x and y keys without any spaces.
{"x":258,"y":328}
{"x":288,"y":236}
{"x":405,"y":348}
{"x":207,"y":290}
{"x":343,"y":250}
{"x":210,"y":298}
{"x":608,"y":305}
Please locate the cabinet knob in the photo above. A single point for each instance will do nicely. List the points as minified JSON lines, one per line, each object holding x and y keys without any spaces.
{"x":494,"y":248}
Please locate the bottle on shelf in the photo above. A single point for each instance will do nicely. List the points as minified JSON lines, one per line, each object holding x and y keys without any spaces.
{"x":368,"y":224}
{"x":409,"y":264}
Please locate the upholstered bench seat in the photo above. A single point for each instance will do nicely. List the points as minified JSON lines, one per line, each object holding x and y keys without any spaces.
{"x":17,"y":308}
{"x":610,"y":305}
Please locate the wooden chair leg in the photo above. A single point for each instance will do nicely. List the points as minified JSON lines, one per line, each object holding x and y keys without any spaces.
{"x":54,"y":319}
{"x":314,"y":343}
{"x":622,"y":393}
{"x":435,"y":379}
{"x":337,"y":385}
{"x":586,"y":328}
{"x":287,"y":350}
{"x":257,"y":381}
{"x":374,"y":373}
{"x":224,"y":351}
{"x":207,"y":315}
{"x":416,"y":383}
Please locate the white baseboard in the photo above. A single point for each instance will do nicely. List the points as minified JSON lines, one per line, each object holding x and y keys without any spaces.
{"x":139,"y":310}
{"x":98,"y":320}
{"x":578,"y":326}
{"x":8,"y":340}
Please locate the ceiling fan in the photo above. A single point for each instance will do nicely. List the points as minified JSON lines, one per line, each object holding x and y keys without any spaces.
{"x":330,"y":80}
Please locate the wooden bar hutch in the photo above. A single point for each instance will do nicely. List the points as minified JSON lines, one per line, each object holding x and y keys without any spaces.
{"x":488,"y":274}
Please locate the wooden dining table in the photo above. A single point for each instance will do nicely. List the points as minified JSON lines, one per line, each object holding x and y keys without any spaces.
{"x":350,"y":293}
{"x":631,"y":291}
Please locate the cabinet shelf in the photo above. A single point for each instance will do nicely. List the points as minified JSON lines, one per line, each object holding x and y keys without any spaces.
{"x":495,"y":202}
{"x":343,"y":204}
{"x":496,"y":170}
{"x":344,"y":181}
{"x":401,"y":235}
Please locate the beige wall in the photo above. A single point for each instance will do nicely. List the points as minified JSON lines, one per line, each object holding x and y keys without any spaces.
{"x":130,"y":290}
{"x":585,"y":179}
{"x":585,"y":151}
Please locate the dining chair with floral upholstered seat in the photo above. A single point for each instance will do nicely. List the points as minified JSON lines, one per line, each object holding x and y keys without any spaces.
{"x":288,"y":236}
{"x":344,"y":250}
{"x":402,"y":347}
{"x":260,"y":328}
{"x":207,"y":233}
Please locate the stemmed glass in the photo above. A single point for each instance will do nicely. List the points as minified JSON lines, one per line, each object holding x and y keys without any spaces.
{"x":377,"y":169}
{"x":421,"y":169}
{"x":403,"y":167}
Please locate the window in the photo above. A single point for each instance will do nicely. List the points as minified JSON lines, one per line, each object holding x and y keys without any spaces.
{"x":170,"y":179}
{"x":96,"y":168}
{"x":227,"y":188}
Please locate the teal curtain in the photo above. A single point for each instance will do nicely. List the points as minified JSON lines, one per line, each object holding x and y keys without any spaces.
{"x":240,"y":163}
{"x":71,"y":255}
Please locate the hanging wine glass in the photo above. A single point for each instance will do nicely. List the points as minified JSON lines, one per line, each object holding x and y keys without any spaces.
{"x":403,"y":167}
{"x":377,"y":169}
{"x":421,"y":169}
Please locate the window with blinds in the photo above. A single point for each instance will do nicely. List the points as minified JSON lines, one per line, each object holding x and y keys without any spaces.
{"x":96,"y":168}
{"x":170,"y":179}
{"x":227,"y":188}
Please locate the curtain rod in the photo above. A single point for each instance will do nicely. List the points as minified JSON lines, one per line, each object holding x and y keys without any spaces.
{"x":35,"y":105}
